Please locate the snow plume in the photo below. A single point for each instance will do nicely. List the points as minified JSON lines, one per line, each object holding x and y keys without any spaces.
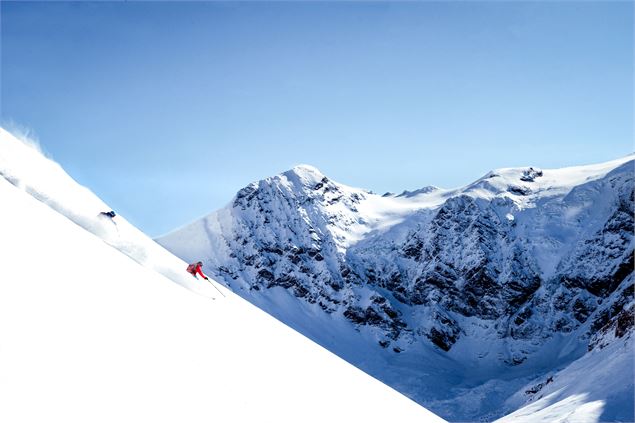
{"x":24,"y":134}
{"x":23,"y":165}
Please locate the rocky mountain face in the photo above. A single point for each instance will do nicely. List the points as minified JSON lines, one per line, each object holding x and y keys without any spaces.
{"x":520,"y":259}
{"x":476,"y":258}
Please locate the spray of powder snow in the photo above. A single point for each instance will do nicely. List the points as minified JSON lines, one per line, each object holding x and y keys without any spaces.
{"x":23,"y":164}
{"x":25,"y":135}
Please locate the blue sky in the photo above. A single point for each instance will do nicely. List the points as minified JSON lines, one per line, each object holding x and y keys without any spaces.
{"x":166,"y":109}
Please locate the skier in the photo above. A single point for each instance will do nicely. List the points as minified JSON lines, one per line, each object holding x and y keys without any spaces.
{"x":195,"y":268}
{"x":111,"y":214}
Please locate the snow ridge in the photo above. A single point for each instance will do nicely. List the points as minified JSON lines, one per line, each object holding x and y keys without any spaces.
{"x":26,"y":168}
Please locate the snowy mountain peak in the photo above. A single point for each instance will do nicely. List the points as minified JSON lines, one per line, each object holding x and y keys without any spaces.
{"x":526,"y":185}
{"x":303,"y":184}
{"x":304,"y":175}
{"x":425,"y":190}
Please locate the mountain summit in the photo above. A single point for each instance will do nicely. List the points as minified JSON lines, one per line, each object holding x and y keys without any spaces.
{"x":304,"y":174}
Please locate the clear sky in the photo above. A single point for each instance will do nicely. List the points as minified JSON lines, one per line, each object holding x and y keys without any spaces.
{"x":166,"y":109}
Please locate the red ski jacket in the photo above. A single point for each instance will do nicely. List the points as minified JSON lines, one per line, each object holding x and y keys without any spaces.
{"x":194,"y":269}
{"x":199,"y":271}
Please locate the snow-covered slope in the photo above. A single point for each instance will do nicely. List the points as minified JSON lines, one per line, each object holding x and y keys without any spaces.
{"x":458,"y":298}
{"x":91,"y":334}
{"x":577,"y":394}
{"x":25,"y":167}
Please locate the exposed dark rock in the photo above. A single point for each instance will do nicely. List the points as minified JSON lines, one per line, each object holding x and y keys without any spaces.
{"x":441,"y":339}
{"x":518,"y":190}
{"x":444,"y":333}
{"x":517,"y":359}
{"x":321,"y":184}
{"x":624,"y":322}
{"x":273,"y":249}
{"x":362,"y":316}
{"x":582,"y":310}
{"x":245,"y":195}
{"x":264,"y":274}
{"x":523,"y":316}
{"x":413,"y":249}
{"x":300,"y":291}
{"x":336,"y":284}
{"x":616,"y":316}
{"x":531,"y":174}
{"x":284,"y":281}
{"x":534,"y":389}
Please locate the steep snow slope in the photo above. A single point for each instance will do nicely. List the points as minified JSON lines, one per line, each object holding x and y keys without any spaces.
{"x":458,"y":298}
{"x":90,"y":335}
{"x":24,"y":166}
{"x":577,"y":393}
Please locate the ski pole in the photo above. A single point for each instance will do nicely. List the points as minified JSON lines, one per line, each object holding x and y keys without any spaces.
{"x":215,"y":287}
